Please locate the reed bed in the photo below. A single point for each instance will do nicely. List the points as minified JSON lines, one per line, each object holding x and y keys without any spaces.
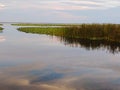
{"x":109,"y":32}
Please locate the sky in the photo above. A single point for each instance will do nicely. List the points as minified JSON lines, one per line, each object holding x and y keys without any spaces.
{"x":60,"y":11}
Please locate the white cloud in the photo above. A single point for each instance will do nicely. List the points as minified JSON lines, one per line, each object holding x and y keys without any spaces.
{"x":60,"y":10}
{"x":65,"y":4}
{"x":65,"y":15}
{"x":77,"y":4}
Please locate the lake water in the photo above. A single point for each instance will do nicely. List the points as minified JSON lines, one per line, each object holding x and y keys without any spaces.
{"x":41,"y":62}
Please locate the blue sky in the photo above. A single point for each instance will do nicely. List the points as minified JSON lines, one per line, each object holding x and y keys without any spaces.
{"x":60,"y":11}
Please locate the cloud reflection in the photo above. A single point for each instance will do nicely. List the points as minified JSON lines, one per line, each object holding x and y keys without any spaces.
{"x":2,"y":38}
{"x":88,"y":79}
{"x":2,"y":5}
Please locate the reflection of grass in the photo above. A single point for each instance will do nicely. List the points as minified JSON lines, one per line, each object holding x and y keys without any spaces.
{"x":30,"y":24}
{"x":109,"y":32}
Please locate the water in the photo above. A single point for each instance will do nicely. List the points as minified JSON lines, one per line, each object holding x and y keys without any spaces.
{"x":41,"y":62}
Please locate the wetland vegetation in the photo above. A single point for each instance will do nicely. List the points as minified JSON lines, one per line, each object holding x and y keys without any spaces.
{"x":29,"y":61}
{"x":109,"y":32}
{"x":42,"y":24}
{"x":1,"y":28}
{"x":90,"y":36}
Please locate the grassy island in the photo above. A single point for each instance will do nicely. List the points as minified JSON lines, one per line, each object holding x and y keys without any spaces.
{"x":109,"y":32}
{"x":42,"y":24}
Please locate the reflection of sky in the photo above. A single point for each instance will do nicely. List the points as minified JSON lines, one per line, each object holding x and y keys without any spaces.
{"x":2,"y":39}
{"x":65,"y":11}
{"x":89,"y":78}
{"x":37,"y":62}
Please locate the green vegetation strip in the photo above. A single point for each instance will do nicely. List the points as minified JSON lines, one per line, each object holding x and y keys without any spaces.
{"x":109,"y":32}
{"x":1,"y":28}
{"x":30,"y":24}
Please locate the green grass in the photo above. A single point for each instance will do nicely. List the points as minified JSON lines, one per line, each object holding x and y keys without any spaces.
{"x":109,"y":32}
{"x":42,"y":24}
{"x":89,"y":36}
{"x":39,"y":30}
{"x":1,"y":28}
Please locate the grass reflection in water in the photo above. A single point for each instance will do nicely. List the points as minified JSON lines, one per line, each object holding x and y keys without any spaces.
{"x":90,"y":36}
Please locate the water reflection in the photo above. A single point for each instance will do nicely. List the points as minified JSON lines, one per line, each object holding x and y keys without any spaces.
{"x":53,"y":79}
{"x":35,"y":62}
{"x":2,"y":38}
{"x":1,"y":31}
{"x":111,"y":46}
{"x":88,"y":37}
{"x":46,"y":76}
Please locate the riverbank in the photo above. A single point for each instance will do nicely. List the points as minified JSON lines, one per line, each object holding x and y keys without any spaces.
{"x":43,"y":24}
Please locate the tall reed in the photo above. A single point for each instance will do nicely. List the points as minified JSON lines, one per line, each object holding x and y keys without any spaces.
{"x":109,"y":32}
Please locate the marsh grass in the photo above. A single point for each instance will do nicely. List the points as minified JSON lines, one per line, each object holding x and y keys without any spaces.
{"x":40,"y":30}
{"x":109,"y":32}
{"x":1,"y":28}
{"x":42,"y":24}
{"x":90,"y":36}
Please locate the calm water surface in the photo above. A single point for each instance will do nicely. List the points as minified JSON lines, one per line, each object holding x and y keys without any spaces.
{"x":41,"y":62}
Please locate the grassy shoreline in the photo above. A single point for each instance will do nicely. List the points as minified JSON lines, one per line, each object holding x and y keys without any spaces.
{"x":109,"y":32}
{"x":1,"y":28}
{"x":43,"y":24}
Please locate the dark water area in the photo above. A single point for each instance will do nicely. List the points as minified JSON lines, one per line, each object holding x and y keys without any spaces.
{"x":42,"y":62}
{"x":111,"y":46}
